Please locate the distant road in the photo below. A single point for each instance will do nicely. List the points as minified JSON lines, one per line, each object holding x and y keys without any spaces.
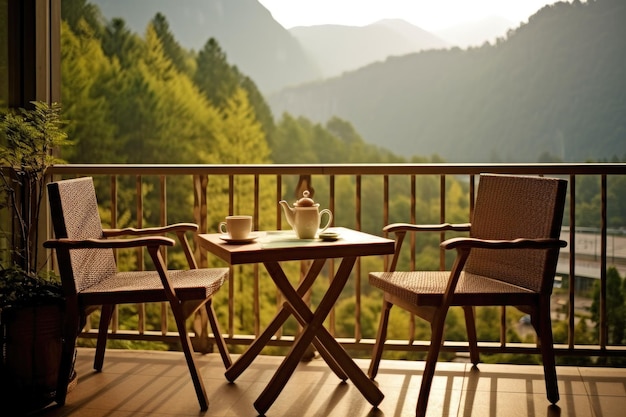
{"x":587,"y":247}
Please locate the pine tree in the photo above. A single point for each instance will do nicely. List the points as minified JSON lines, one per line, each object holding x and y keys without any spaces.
{"x":171,"y":48}
{"x":214,"y":76}
{"x":240,"y":140}
{"x":85,"y":74}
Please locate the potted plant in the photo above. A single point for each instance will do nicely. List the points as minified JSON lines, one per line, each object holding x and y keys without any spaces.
{"x":31,"y":302}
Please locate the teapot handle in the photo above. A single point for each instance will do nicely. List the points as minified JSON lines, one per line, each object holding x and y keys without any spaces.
{"x":330,"y":219}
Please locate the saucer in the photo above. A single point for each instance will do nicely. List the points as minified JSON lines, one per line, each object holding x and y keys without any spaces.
{"x":251,"y":238}
{"x":329,"y":236}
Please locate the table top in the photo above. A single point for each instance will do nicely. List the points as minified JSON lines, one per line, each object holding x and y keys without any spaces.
{"x":283,"y":245}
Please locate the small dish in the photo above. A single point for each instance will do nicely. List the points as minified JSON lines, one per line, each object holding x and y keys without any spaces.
{"x":251,"y":238}
{"x":329,"y":236}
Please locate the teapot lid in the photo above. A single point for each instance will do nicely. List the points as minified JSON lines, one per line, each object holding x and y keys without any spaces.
{"x":305,"y":201}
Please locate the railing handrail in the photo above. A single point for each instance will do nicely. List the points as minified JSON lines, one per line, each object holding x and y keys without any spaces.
{"x":339,"y":169}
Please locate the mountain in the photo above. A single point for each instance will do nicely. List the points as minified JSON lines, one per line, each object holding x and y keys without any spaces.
{"x":337,"y":48}
{"x":251,"y":38}
{"x":477,"y":32}
{"x":553,"y":89}
{"x":276,"y":58}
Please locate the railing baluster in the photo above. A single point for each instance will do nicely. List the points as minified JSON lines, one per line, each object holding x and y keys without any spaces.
{"x":386,"y":212}
{"x":332,"y":327}
{"x":279,"y":196}
{"x":116,"y":316}
{"x":413,"y":219}
{"x":231,"y":279}
{"x":502,"y":326}
{"x":571,"y":313}
{"x":604,"y":325}
{"x":257,"y":290}
{"x":141,"y":308}
{"x":163,"y":222}
{"x":442,"y":219}
{"x":357,"y":267}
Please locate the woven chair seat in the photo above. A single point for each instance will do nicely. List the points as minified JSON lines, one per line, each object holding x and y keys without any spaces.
{"x":192,"y":284}
{"x":426,"y":288}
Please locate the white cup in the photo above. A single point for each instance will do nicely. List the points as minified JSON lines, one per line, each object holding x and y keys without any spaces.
{"x":237,"y":227}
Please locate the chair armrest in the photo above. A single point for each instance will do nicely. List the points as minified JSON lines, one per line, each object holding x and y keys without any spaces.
{"x":172,"y":228}
{"x":409,"y":227}
{"x":521,"y":243}
{"x":179,"y":228}
{"x":108,"y":243}
{"x":400,"y":230}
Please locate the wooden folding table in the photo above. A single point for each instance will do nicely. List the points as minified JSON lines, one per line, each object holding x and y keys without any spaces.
{"x":270,"y":248}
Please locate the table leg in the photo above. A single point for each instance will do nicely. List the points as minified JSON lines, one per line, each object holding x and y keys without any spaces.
{"x":314,"y":328}
{"x":343,"y":360}
{"x":260,"y":342}
{"x":275,"y":270}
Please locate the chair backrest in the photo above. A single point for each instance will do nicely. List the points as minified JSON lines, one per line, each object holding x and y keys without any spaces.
{"x":75,"y":216}
{"x":510,"y":207}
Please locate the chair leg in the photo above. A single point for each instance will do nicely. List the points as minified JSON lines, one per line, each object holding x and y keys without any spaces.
{"x":381,"y":336}
{"x":546,"y":344}
{"x":470,"y":325}
{"x":70,"y":332}
{"x":219,"y":339}
{"x":431,"y":361}
{"x":103,"y":330}
{"x":185,"y":341}
{"x":180,"y":318}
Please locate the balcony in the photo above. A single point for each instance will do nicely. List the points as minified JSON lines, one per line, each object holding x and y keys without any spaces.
{"x":157,"y":382}
{"x":135,"y":383}
{"x":151,"y":383}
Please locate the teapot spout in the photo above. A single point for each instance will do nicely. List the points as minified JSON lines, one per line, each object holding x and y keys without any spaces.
{"x":289,"y":212}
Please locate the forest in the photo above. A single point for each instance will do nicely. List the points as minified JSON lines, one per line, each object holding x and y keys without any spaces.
{"x":133,"y":99}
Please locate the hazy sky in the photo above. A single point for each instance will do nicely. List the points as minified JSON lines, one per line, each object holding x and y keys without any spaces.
{"x":426,"y":14}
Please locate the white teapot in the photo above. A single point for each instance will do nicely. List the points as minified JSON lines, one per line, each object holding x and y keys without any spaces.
{"x":305,"y":217}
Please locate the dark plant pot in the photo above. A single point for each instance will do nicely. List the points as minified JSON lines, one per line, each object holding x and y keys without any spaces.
{"x":31,"y":354}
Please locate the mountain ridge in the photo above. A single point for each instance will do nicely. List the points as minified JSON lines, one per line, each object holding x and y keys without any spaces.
{"x":263,"y":49}
{"x":340,"y":48}
{"x":477,"y":32}
{"x":553,"y":89}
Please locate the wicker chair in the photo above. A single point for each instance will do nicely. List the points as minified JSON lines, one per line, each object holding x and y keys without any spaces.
{"x":509,"y":258}
{"x":85,"y":254}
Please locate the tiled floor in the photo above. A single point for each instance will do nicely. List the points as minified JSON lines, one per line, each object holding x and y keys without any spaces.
{"x":148,"y":383}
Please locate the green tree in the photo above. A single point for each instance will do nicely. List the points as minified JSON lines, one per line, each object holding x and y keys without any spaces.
{"x":73,"y":11}
{"x":182,"y":60}
{"x":120,"y":42}
{"x":181,"y":120}
{"x":261,"y":108}
{"x":616,"y":196}
{"x":218,"y":80}
{"x":214,"y":76}
{"x":240,"y":139}
{"x":615,"y":309}
{"x":488,"y":323}
{"x":291,"y":143}
{"x":85,"y":73}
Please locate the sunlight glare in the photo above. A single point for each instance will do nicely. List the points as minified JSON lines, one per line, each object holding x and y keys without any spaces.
{"x":426,"y":14}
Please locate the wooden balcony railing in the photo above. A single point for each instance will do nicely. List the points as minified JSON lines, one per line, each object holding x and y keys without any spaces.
{"x":357,"y":194}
